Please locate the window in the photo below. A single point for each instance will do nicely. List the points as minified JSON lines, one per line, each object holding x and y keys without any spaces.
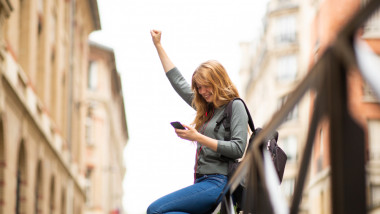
{"x":319,"y":161}
{"x":289,"y":145}
{"x":38,"y":191}
{"x":23,"y":34}
{"x":287,"y":187}
{"x":89,"y":128}
{"x":375,"y":195}
{"x":40,"y":49}
{"x":374,"y":139}
{"x":368,"y":94}
{"x":372,"y":26}
{"x":40,"y":16}
{"x":92,"y":75}
{"x":293,"y":114}
{"x":321,"y":148}
{"x":287,"y":68}
{"x":63,"y":202}
{"x":53,"y":24}
{"x":322,"y":201}
{"x":52,"y":196}
{"x":67,"y":19}
{"x":285,"y":29}
{"x":88,"y":185}
{"x":21,"y":182}
{"x":40,"y":6}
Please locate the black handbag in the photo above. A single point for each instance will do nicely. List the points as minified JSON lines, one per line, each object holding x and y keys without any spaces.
{"x":278,"y":157}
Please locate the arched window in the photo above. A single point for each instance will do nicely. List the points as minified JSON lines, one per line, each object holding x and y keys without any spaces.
{"x":38,"y":190}
{"x":63,"y":202}
{"x":52,"y":198}
{"x":21,"y":181}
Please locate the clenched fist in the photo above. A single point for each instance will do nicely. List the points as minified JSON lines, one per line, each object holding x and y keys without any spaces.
{"x":156,"y":36}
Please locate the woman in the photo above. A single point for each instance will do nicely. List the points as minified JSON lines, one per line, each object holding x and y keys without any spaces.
{"x":211,"y":89}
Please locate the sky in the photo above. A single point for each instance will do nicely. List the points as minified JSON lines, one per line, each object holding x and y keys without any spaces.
{"x":157,"y":161}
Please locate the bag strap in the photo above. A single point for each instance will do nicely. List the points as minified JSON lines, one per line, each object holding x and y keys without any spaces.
{"x":226,"y":119}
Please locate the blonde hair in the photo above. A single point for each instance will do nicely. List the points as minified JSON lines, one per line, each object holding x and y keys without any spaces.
{"x":211,"y":73}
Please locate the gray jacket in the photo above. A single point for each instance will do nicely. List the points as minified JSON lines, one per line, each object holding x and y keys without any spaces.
{"x":210,"y":162}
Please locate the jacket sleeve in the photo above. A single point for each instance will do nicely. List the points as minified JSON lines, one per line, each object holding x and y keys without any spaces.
{"x":180,"y":85}
{"x":235,"y":148}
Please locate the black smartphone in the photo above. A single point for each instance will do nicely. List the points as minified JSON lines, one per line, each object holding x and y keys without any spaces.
{"x":177,"y":125}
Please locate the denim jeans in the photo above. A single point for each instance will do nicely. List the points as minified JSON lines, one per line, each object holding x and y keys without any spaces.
{"x":198,"y":198}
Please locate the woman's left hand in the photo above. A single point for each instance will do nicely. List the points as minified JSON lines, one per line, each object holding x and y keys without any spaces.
{"x":189,"y":133}
{"x":192,"y":134}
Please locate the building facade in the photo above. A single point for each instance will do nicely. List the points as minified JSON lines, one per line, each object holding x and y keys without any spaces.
{"x":105,"y":133}
{"x":294,"y":36}
{"x":44,"y":60}
{"x":272,"y":71}
{"x":326,"y":19}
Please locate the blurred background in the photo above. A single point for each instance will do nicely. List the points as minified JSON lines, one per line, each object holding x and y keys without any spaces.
{"x":85,"y":106}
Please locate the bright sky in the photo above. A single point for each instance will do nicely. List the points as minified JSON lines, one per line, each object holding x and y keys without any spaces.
{"x":193,"y":31}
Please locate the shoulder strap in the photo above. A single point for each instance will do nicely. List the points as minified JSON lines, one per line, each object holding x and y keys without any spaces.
{"x":226,"y":119}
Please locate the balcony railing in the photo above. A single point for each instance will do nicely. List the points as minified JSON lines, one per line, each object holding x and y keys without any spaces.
{"x":328,"y":80}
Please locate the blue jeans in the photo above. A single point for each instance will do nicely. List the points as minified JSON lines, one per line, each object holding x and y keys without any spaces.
{"x":198,"y":198}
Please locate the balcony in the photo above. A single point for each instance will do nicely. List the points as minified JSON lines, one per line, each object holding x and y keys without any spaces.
{"x":281,"y":5}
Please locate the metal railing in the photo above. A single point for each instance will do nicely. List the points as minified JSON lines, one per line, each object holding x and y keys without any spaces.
{"x":328,"y":79}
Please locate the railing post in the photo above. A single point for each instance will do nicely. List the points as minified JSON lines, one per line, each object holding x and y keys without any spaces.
{"x":346,"y":145}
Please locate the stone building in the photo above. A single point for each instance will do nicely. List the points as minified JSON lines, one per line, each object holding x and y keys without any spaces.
{"x":105,"y":133}
{"x":44,"y":61}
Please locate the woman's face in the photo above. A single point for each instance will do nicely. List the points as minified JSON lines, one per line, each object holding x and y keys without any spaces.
{"x":206,"y":92}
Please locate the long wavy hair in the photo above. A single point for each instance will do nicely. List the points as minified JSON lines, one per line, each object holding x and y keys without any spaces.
{"x":211,"y":73}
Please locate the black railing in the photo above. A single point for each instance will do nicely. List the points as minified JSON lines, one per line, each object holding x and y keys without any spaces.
{"x":328,"y":80}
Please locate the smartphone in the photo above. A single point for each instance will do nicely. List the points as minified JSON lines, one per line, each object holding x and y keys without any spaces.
{"x":177,"y":125}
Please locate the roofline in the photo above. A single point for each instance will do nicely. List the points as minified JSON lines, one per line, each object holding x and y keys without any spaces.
{"x":95,"y":14}
{"x":100,"y":46}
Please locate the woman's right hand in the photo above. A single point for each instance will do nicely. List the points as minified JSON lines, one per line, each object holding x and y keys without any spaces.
{"x":165,"y":60}
{"x":156,"y":36}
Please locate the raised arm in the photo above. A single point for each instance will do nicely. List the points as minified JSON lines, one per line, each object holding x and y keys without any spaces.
{"x":167,"y":64}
